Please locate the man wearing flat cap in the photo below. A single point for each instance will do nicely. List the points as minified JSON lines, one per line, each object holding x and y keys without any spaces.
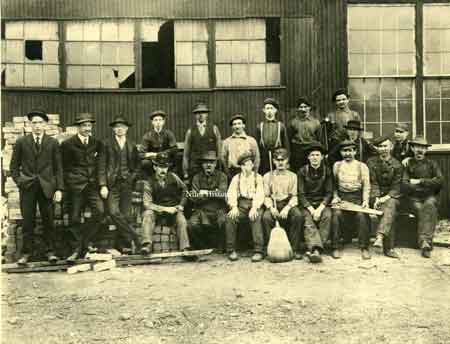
{"x":157,"y":140}
{"x":118,"y":167}
{"x":164,"y":199}
{"x":36,"y":168}
{"x":303,"y":129}
{"x":280,"y":189}
{"x":245,"y":198}
{"x":208,"y":196}
{"x":352,"y":184}
{"x":236,"y":145}
{"x":421,"y":183}
{"x":270,"y":134}
{"x":201,"y":138}
{"x":402,"y":149}
{"x":315,"y":190}
{"x":385,"y":179}
{"x":80,"y":154}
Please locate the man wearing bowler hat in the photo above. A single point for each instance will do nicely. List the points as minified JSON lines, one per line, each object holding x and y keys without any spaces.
{"x":118,"y":166}
{"x":270,"y":134}
{"x":421,"y":183}
{"x":402,"y":148}
{"x":157,"y":140}
{"x":164,"y":199}
{"x":80,"y":154}
{"x":209,"y":188}
{"x":201,"y":138}
{"x":236,"y":145}
{"x":36,"y":168}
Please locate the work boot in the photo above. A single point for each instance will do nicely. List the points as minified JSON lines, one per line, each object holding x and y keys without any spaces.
{"x":23,"y":260}
{"x":378,"y":241}
{"x":426,"y":250}
{"x":146,"y":249}
{"x":391,"y":253}
{"x":233,"y":256}
{"x":51,"y":257}
{"x":257,"y":257}
{"x":298,"y":255}
{"x":72,"y":259}
{"x":365,"y":254}
{"x":336,"y":253}
{"x":315,"y":257}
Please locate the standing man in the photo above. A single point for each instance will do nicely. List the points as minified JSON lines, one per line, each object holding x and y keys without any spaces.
{"x":315,"y":190}
{"x":402,"y":148}
{"x":237,"y":144}
{"x":245,"y":197}
{"x":353,"y":185}
{"x":201,"y":138}
{"x":421,"y":183}
{"x":36,"y":168}
{"x":385,"y":179}
{"x":209,"y":188}
{"x":117,"y":172}
{"x":302,"y":130}
{"x":280,"y":187}
{"x":164,"y":199}
{"x":80,"y":154}
{"x":270,"y":134}
{"x":157,"y":140}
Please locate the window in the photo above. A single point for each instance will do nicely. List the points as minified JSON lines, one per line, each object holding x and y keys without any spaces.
{"x":100,"y":54}
{"x":381,"y":51}
{"x":30,"y":54}
{"x":436,"y":47}
{"x":247,"y":52}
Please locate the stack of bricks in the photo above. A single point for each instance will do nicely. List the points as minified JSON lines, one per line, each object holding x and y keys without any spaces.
{"x":164,"y":239}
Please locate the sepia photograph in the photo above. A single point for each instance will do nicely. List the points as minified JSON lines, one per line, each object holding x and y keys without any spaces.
{"x":225,"y":171}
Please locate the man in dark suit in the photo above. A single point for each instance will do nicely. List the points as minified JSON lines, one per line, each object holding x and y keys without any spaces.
{"x":80,"y":154}
{"x":117,"y":171}
{"x":37,"y":169}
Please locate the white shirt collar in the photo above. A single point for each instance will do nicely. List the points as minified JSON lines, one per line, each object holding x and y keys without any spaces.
{"x":36,"y":136}
{"x":83,"y":138}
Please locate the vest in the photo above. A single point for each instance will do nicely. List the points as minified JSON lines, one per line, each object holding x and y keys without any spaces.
{"x":124,"y":171}
{"x":169,"y":195}
{"x":202,"y":144}
{"x":278,"y":139}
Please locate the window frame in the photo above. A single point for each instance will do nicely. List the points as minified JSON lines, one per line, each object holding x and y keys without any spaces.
{"x":62,"y":62}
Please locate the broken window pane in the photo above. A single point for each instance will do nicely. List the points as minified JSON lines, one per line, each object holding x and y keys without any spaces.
{"x":14,"y":75}
{"x":33,"y":50}
{"x":200,"y":77}
{"x":50,"y":76}
{"x":273,"y":33}
{"x":75,"y":77}
{"x":127,"y":77}
{"x":14,"y":30}
{"x":33,"y":75}
{"x":110,"y":77}
{"x":150,"y":29}
{"x":91,"y":30}
{"x":50,"y":51}
{"x":14,"y":51}
{"x":223,"y":75}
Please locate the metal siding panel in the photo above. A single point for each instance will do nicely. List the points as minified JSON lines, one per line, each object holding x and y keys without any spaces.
{"x":443,"y":160}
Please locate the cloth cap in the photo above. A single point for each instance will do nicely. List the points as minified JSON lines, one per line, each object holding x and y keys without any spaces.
{"x":120,"y":119}
{"x":347,"y":143}
{"x":208,"y":156}
{"x":237,"y":116}
{"x":304,"y":100}
{"x":280,"y":154}
{"x":354,"y":124}
{"x":245,"y":157}
{"x":158,"y":113}
{"x":83,"y":118}
{"x":272,"y":101}
{"x":38,"y":113}
{"x":315,"y":146}
{"x":379,"y":140}
{"x":402,"y":127}
{"x":201,"y":108}
{"x":338,"y":93}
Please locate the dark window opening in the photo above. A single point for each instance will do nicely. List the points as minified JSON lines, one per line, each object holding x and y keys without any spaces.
{"x":3,"y":78}
{"x":129,"y":82}
{"x":273,"y":40}
{"x":158,"y":59}
{"x":33,"y":50}
{"x":3,"y":29}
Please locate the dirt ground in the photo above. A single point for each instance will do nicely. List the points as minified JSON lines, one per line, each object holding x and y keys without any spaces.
{"x":216,"y":301}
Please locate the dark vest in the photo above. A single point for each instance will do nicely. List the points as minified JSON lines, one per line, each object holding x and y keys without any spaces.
{"x":201,"y":144}
{"x":169,"y":195}
{"x":124,"y":171}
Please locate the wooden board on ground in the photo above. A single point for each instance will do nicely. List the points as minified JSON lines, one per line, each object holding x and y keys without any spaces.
{"x":442,"y":239}
{"x":348,"y":206}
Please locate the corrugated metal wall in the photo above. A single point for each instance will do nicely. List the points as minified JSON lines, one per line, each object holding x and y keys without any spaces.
{"x":443,"y":160}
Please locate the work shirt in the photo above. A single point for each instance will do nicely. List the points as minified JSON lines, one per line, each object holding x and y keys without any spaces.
{"x":340,"y":118}
{"x":250,"y":187}
{"x":168,"y":192}
{"x":280,"y":186}
{"x":271,"y":135}
{"x":385,"y":177}
{"x":304,"y":130}
{"x":315,"y":185}
{"x":216,"y":183}
{"x":402,"y":150}
{"x":430,"y":176}
{"x":158,"y":142}
{"x":236,"y":145}
{"x":352,"y":176}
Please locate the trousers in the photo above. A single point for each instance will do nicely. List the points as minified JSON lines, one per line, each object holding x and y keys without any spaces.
{"x":426,"y":211}
{"x":386,"y":222}
{"x":317,"y":232}
{"x":206,"y":228}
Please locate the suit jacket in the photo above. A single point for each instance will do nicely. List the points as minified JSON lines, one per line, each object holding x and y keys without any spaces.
{"x":109,"y":159}
{"x":80,"y":162}
{"x":27,"y":164}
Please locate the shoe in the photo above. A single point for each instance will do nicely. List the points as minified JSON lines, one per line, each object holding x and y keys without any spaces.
{"x":391,"y":254}
{"x":298,"y":256}
{"x":23,"y":260}
{"x":378,"y":241}
{"x":257,"y":257}
{"x":365,"y":254}
{"x":92,"y":249}
{"x":52,"y":258}
{"x":233,"y":256}
{"x":426,"y":252}
{"x":146,"y":249}
{"x":73,"y":257}
{"x":336,"y":254}
{"x":189,"y":258}
{"x":315,"y":257}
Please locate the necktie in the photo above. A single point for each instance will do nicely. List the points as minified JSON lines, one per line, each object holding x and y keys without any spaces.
{"x":38,"y":144}
{"x":85,"y":141}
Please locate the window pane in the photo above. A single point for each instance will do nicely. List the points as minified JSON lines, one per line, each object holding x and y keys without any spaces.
{"x":273,"y":74}
{"x":445,"y":88}
{"x":372,"y":89}
{"x":223,"y":51}
{"x":432,"y":63}
{"x":150,"y":29}
{"x":257,"y":75}
{"x":91,"y":30}
{"x":389,"y":42}
{"x":357,"y":41}
{"x":432,"y":109}
{"x":373,"y":16}
{"x":14,"y":51}
{"x":406,"y":64}
{"x":445,"y":132}
{"x":126,"y":31}
{"x":74,"y":31}
{"x":126,"y":53}
{"x":184,"y":76}
{"x":387,"y":128}
{"x":92,"y":53}
{"x":372,"y":111}
{"x":50,"y":51}
{"x":404,"y":88}
{"x":432,"y":41}
{"x":239,"y":51}
{"x":74,"y":52}
{"x":183,"y":30}
{"x":374,"y":129}
{"x":184,"y":53}
{"x":14,"y":75}
{"x":389,"y":111}
{"x":109,"y":53}
{"x":389,"y":64}
{"x":431,"y":16}
{"x":406,"y":17}
{"x":446,"y":63}
{"x":110,"y":77}
{"x":356,"y":64}
{"x":433,"y":133}
{"x":406,"y":41}
{"x":388,"y":89}
{"x":33,"y":75}
{"x":432,"y":88}
{"x":92,"y":75}
{"x":41,"y":30}
{"x":239,"y":74}
{"x":14,"y":30}
{"x":110,"y":31}
{"x":446,"y":109}
{"x":200,"y":53}
{"x":256,"y":29}
{"x":358,"y":106}
{"x":356,"y":17}
{"x":372,"y":65}
{"x":199,"y":31}
{"x":405,"y":111}
{"x":257,"y":51}
{"x":372,"y":41}
{"x":356,"y":89}
{"x":223,"y":75}
{"x":50,"y":76}
{"x":200,"y":77}
{"x":74,"y":76}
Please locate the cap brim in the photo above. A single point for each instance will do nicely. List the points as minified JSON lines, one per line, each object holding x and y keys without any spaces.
{"x":112,"y":124}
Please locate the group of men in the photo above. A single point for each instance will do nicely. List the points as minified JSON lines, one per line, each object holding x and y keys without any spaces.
{"x":295,"y":174}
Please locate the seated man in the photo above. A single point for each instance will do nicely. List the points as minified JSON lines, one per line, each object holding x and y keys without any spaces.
{"x":352,"y":185}
{"x":280,"y":188}
{"x":245,"y":197}
{"x":315,"y":189}
{"x":164,"y":199}
{"x":208,"y":194}
{"x":421,"y":183}
{"x":385,"y":178}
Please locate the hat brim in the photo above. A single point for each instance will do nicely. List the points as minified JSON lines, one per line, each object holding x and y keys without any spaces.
{"x":236,"y":118}
{"x":158,"y":115}
{"x":201,"y":111}
{"x":354,"y":128}
{"x":84,"y":121}
{"x":315,"y":149}
{"x":37,"y":114}
{"x":112,"y":124}
{"x":346,"y":146}
{"x":412,"y":143}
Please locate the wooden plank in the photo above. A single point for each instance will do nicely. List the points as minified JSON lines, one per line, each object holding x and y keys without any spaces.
{"x":348,"y":206}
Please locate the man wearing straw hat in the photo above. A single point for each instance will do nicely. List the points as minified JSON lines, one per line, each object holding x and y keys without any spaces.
{"x":421,"y":183}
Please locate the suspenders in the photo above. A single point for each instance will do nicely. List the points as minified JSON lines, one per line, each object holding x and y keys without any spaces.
{"x":278,"y":141}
